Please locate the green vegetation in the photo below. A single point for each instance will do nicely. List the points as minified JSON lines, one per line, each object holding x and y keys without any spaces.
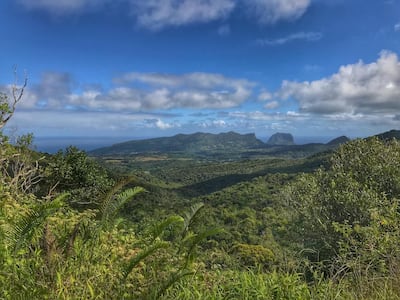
{"x":159,"y":226}
{"x":186,"y":144}
{"x":228,"y":146}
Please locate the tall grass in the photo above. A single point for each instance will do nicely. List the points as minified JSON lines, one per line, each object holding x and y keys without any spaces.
{"x":250,"y":285}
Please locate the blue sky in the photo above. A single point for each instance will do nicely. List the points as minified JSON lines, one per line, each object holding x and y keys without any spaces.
{"x":137,"y":68}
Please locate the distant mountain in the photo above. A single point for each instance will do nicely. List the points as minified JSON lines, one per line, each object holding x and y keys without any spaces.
{"x":339,"y":140}
{"x":187,"y":143}
{"x":388,"y":135}
{"x":281,"y":139}
{"x":224,"y":146}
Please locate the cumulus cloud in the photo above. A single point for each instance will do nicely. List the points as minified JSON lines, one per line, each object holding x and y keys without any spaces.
{"x":51,"y":91}
{"x":56,"y":122}
{"x":158,"y":123}
{"x":305,"y":36}
{"x":272,"y":11}
{"x":397,"y":27}
{"x":355,"y":89}
{"x":154,"y":14}
{"x":193,"y":90}
{"x":29,"y":99}
{"x":141,"y":92}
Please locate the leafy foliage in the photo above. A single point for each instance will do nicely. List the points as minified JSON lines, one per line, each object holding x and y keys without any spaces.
{"x":68,"y":231}
{"x":23,"y":232}
{"x":73,"y":171}
{"x":348,"y":215}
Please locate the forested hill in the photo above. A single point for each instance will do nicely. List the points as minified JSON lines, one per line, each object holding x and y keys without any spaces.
{"x":188,"y":143}
{"x":229,"y":144}
{"x":388,"y":135}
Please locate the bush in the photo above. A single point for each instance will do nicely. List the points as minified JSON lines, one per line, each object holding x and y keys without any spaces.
{"x":347,"y":216}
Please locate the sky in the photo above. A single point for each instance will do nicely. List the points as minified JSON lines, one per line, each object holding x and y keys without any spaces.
{"x":133,"y":68}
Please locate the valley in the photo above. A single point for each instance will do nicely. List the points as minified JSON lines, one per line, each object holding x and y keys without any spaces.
{"x":208,"y":216}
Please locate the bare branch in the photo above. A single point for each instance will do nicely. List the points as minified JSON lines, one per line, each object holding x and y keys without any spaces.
{"x":7,"y":109}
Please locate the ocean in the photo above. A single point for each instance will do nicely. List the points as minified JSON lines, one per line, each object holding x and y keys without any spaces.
{"x":53,"y":144}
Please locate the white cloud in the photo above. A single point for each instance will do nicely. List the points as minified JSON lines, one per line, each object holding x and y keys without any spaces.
{"x":29,"y":99}
{"x":219,"y":123}
{"x":192,"y":90}
{"x":140,"y":92}
{"x":163,"y":125}
{"x":155,"y":15}
{"x":271,"y":105}
{"x":356,"y":89}
{"x":190,"y":80}
{"x":272,"y":11}
{"x":397,"y":27}
{"x":52,"y":91}
{"x":149,"y":78}
{"x":58,"y":122}
{"x":303,"y":124}
{"x":269,"y":117}
{"x":62,"y":7}
{"x":305,"y":36}
{"x":264,"y":96}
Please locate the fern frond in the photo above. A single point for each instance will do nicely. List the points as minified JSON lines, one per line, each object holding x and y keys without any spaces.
{"x":110,"y":210}
{"x":29,"y":225}
{"x":189,"y":216}
{"x":192,"y":240}
{"x":109,"y":197}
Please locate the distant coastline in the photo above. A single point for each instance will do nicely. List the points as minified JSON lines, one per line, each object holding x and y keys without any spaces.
{"x":53,"y":144}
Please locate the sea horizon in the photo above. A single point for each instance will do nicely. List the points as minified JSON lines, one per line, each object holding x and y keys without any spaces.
{"x":52,"y":144}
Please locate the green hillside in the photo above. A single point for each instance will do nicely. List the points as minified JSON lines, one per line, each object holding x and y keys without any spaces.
{"x":392,"y":134}
{"x":185,"y":143}
{"x":275,"y":225}
{"x":224,"y":146}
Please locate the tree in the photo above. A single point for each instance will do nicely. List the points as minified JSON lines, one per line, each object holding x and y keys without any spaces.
{"x":7,"y":105}
{"x":73,"y":171}
{"x":348,"y":214}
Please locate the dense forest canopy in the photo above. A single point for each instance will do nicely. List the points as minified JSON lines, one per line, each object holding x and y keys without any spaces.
{"x":75,"y":227}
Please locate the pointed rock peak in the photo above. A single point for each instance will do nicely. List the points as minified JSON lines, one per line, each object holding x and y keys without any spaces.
{"x":281,"y":139}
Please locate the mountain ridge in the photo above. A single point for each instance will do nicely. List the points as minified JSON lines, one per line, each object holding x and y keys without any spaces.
{"x":191,"y":143}
{"x":225,"y":145}
{"x":222,"y":145}
{"x":388,"y":135}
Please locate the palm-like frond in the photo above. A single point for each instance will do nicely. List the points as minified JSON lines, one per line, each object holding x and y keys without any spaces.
{"x":192,"y":240}
{"x":30,"y":224}
{"x":189,"y":216}
{"x":109,"y":197}
{"x":112,"y":205}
